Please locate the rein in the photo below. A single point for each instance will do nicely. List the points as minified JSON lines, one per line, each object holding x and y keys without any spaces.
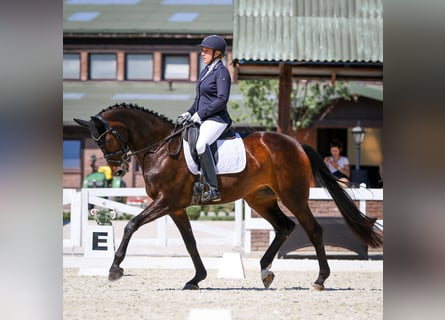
{"x":162,"y":142}
{"x":124,"y":149}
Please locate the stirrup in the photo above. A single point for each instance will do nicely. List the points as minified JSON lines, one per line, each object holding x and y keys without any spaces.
{"x":211,"y":195}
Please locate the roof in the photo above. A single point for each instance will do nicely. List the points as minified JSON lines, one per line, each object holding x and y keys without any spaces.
{"x":82,"y":99}
{"x":148,"y":16}
{"x":307,"y":30}
{"x":374,"y":92}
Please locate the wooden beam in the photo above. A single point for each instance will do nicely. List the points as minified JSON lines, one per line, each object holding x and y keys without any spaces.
{"x":194,"y":66}
{"x":314,"y":72}
{"x":284,"y":98}
{"x":120,"y":72}
{"x":333,"y":77}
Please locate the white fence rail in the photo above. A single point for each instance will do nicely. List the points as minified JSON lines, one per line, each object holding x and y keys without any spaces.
{"x":79,"y":200}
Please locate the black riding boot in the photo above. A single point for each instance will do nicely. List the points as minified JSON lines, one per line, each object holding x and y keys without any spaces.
{"x":208,"y":169}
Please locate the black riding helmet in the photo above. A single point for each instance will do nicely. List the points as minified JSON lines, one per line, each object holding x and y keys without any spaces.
{"x":216,"y":43}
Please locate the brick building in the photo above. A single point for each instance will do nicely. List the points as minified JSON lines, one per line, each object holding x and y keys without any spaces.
{"x":145,"y":52}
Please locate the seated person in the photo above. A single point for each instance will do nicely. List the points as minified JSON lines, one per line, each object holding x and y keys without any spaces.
{"x":337,"y":164}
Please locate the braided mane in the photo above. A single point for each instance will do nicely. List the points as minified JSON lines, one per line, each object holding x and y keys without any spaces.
{"x":134,"y":106}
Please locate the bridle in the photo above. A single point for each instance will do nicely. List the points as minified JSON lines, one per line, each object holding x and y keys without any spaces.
{"x":100,"y":140}
{"x":123,"y":143}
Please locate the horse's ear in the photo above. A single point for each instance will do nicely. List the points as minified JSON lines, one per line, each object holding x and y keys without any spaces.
{"x":83,"y":123}
{"x":97,"y":126}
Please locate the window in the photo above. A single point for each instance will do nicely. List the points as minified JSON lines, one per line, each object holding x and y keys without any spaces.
{"x":71,"y":66}
{"x":176,"y":67}
{"x":71,"y":154}
{"x":103,"y":66}
{"x":139,"y":67}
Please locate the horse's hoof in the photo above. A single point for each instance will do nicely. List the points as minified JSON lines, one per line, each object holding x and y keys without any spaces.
{"x":191,"y":286}
{"x":267,"y":277}
{"x":115,"y":274}
{"x":317,"y":286}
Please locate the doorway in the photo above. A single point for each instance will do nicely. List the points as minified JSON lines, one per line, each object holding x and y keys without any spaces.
{"x":326,"y":136}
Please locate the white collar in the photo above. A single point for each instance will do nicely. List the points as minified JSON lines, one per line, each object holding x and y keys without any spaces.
{"x":210,"y":68}
{"x":213,"y":64}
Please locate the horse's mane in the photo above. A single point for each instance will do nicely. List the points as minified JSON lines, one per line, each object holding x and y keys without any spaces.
{"x":134,"y":106}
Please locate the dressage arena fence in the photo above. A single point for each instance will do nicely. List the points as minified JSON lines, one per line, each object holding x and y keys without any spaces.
{"x":247,"y":222}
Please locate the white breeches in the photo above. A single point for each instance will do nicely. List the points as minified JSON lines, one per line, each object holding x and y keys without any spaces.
{"x":208,"y":133}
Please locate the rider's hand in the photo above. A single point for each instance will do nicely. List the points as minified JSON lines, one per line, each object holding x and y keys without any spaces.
{"x":183,"y":118}
{"x":196,"y":118}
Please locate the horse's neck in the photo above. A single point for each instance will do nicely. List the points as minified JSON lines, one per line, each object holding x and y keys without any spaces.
{"x":149,"y":130}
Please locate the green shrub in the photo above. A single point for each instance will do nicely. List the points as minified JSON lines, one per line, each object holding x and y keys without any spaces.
{"x":66,"y":216}
{"x":193,"y":212}
{"x":124,"y":216}
{"x":227,"y":208}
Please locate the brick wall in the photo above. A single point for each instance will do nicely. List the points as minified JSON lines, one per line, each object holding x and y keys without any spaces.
{"x":71,"y":180}
{"x":320,"y":208}
{"x":259,"y":240}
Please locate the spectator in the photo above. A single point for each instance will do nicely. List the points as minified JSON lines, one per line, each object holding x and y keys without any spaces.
{"x":338,"y":164}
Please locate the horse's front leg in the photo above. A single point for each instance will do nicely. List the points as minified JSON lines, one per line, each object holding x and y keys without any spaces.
{"x":155,"y":210}
{"x":183,"y":223}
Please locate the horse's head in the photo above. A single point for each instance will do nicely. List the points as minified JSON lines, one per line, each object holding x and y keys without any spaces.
{"x":114,"y":144}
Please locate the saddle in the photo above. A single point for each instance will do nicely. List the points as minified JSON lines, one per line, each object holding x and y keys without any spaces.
{"x":191,"y":136}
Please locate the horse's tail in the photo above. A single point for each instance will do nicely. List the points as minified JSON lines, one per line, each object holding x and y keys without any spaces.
{"x":359,"y":223}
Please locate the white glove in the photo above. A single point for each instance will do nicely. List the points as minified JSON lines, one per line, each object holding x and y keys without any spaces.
{"x":186,"y":116}
{"x":183,"y":118}
{"x":195,"y":118}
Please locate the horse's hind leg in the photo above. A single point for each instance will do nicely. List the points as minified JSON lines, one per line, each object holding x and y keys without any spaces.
{"x":183,"y":223}
{"x":315,"y":233}
{"x":265,"y":203}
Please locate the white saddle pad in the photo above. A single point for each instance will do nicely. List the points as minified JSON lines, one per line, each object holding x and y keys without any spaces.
{"x":231,"y":156}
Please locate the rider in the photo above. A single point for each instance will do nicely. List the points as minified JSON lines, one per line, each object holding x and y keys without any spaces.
{"x":209,"y":108}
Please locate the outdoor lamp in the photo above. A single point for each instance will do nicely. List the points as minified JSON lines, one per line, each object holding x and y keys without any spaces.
{"x":359,"y":134}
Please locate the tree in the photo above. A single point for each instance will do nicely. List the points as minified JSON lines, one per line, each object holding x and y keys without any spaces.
{"x":311,"y":101}
{"x":260,"y":97}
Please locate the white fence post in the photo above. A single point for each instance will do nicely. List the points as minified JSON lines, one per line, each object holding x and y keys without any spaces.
{"x":247,"y":233}
{"x":76,"y":218}
{"x":363,"y":202}
{"x":72,"y":197}
{"x":84,"y":201}
{"x":238,"y":222}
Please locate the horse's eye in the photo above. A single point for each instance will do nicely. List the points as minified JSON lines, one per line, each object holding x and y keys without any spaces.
{"x":109,"y":141}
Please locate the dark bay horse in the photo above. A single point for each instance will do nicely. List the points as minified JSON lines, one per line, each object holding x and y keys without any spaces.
{"x":278,"y":169}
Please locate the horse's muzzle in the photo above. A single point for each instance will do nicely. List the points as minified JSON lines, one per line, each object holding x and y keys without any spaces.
{"x":121,"y":170}
{"x":119,"y":173}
